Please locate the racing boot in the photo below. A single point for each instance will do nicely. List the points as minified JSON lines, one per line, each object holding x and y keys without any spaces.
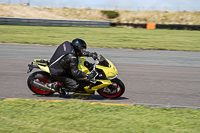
{"x":54,"y":85}
{"x":57,"y":87}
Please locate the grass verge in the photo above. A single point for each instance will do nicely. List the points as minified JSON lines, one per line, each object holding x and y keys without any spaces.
{"x":78,"y":117}
{"x":158,"y":39}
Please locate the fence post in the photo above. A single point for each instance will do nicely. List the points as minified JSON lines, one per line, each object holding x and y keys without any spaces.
{"x":151,"y":26}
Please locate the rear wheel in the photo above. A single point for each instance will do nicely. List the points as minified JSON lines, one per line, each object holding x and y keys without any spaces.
{"x":115,"y":90}
{"x":42,"y":77}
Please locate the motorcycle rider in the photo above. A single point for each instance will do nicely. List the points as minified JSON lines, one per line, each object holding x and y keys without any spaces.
{"x":64,"y":64}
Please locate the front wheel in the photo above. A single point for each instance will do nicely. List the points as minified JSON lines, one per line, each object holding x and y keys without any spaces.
{"x":115,"y":90}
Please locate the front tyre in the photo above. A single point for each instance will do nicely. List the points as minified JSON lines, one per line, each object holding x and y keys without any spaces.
{"x":42,"y":77}
{"x":115,"y":90}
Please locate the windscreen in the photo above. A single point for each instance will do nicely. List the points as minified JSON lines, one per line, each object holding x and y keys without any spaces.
{"x":103,"y":61}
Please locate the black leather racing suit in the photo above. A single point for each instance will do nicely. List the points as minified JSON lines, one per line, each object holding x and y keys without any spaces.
{"x":64,"y":66}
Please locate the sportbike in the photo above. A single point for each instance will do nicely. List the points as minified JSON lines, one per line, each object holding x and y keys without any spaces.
{"x":105,"y":82}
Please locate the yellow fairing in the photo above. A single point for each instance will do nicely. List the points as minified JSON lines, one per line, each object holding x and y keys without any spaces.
{"x":81,"y":66}
{"x":41,"y":65}
{"x":110,"y":71}
{"x":104,"y":84}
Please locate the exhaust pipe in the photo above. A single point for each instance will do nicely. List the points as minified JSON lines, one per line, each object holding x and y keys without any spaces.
{"x":42,"y":86}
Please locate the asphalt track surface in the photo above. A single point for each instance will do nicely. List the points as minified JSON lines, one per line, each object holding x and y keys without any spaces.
{"x":151,"y":77}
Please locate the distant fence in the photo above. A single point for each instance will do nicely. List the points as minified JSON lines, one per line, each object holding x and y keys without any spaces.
{"x":160,"y":26}
{"x":178,"y":27}
{"x":85,"y":23}
{"x":52,"y":22}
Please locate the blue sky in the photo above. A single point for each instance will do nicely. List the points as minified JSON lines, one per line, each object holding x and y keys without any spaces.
{"x":171,"y":5}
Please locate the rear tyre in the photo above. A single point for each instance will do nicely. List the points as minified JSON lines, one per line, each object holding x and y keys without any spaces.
{"x":42,"y":77}
{"x":115,"y":90}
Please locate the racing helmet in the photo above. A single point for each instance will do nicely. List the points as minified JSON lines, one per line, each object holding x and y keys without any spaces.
{"x":79,"y":45}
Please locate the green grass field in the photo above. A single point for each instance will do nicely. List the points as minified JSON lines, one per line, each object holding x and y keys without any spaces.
{"x":31,"y":116}
{"x":158,"y":39}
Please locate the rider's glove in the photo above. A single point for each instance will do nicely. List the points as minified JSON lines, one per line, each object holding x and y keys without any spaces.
{"x":94,"y":55}
{"x":91,"y":75}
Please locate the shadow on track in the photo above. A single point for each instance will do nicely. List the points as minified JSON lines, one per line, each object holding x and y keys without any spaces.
{"x":79,"y":97}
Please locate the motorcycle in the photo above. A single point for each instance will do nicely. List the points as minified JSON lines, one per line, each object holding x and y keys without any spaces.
{"x":105,"y":82}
